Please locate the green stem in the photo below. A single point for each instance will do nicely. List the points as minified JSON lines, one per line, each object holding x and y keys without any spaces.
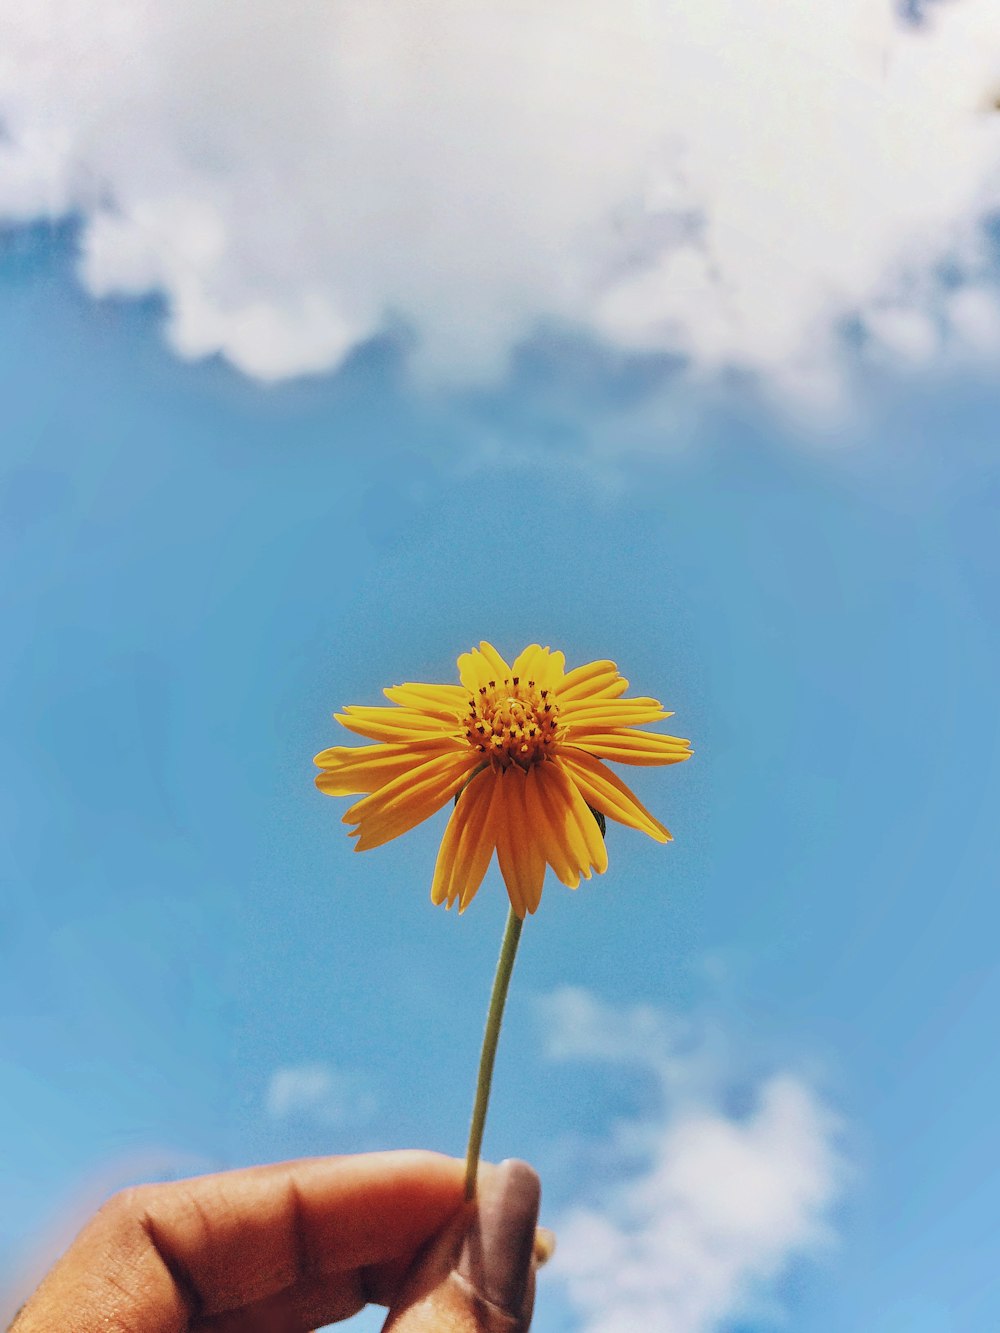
{"x":505,"y":966}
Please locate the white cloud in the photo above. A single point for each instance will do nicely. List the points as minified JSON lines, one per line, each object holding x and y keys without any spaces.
{"x":728,"y":180}
{"x":318,"y":1092}
{"x":579,"y":1026}
{"x":698,"y":1235}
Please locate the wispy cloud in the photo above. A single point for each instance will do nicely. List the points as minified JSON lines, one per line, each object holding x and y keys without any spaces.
{"x":331,"y":1097}
{"x":722,"y":1203}
{"x":728,"y":181}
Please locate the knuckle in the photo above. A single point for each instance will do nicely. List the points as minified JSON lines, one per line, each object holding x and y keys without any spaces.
{"x":125,"y":1209}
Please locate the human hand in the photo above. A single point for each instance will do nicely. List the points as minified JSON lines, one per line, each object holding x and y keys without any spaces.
{"x":290,"y":1247}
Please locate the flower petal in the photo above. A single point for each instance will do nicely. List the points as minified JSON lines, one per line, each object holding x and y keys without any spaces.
{"x":448,"y":703}
{"x":350,"y":770}
{"x":606,"y":792}
{"x":408,"y":799}
{"x":592,"y":680}
{"x":356,"y":771}
{"x":395,"y":724}
{"x":574,"y":822}
{"x":480,"y":666}
{"x":467,"y":844}
{"x":550,"y":840}
{"x":625,"y":746}
{"x":521,"y":861}
{"x":598,"y":713}
{"x":527,"y":661}
{"x":539,"y":666}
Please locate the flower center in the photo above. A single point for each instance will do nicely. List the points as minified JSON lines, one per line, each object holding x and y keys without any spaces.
{"x":511,"y":722}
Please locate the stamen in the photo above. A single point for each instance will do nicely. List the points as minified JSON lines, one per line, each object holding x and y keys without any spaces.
{"x":513,"y":725}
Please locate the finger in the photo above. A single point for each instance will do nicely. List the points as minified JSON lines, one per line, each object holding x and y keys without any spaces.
{"x":479,"y":1275}
{"x":307,"y":1241}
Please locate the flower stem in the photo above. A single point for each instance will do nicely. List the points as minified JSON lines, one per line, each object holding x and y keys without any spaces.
{"x":494,"y":1018}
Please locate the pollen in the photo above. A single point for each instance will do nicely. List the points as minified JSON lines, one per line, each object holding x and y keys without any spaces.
{"x":512,"y":721}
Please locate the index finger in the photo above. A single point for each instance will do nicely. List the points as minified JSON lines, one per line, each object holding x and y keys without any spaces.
{"x":167,"y":1255}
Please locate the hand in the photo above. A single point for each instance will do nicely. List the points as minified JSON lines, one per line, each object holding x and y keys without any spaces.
{"x":290,"y":1247}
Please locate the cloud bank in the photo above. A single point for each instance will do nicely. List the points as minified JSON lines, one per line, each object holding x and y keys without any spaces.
{"x":700,"y":1234}
{"x":330,"y":1097}
{"x":728,"y":182}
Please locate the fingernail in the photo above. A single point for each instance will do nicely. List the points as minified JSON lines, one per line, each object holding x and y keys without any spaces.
{"x":496,"y":1253}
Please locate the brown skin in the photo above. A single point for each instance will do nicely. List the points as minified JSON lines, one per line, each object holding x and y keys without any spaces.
{"x":273,"y":1249}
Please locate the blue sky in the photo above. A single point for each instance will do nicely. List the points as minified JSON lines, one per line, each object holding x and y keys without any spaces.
{"x":200,"y":571}
{"x":773,"y":1038}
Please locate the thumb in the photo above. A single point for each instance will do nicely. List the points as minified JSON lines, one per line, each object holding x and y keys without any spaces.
{"x":478,"y":1275}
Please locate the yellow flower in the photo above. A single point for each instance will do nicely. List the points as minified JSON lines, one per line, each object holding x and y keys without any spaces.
{"x":524,"y":745}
